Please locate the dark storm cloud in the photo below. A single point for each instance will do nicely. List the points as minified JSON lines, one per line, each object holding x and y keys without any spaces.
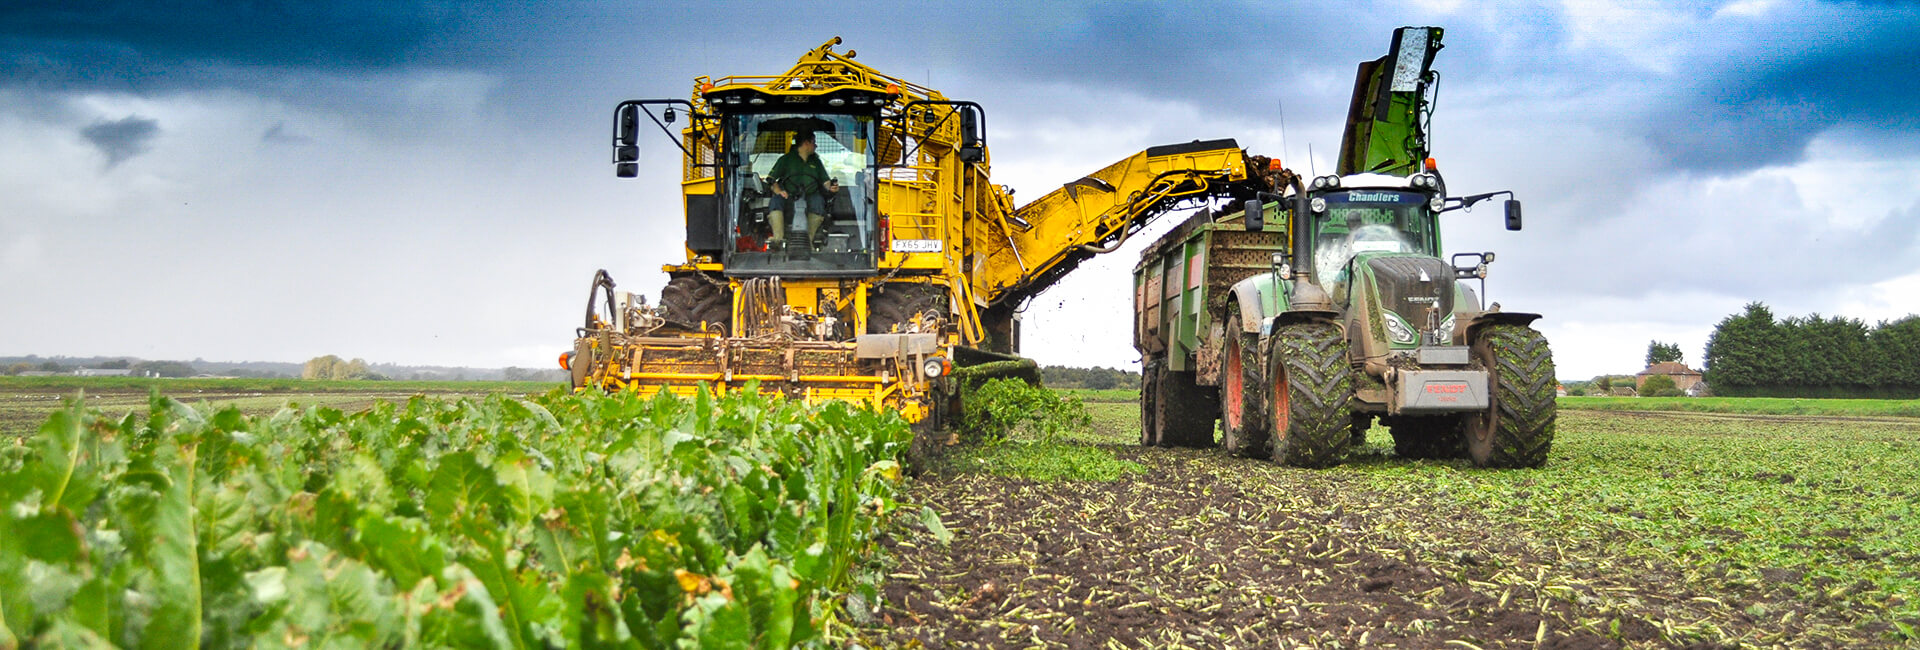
{"x":133,"y":45}
{"x":123,"y":138}
{"x":1765,"y":107}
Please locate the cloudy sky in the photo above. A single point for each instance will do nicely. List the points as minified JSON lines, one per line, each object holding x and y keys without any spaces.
{"x":427,"y":183}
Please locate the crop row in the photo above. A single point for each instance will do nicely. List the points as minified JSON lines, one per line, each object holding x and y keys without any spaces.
{"x":558,"y":521}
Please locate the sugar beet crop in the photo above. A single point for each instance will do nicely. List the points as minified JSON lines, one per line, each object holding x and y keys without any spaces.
{"x":556,"y":521}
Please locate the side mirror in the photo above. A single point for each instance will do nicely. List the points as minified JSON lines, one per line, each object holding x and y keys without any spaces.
{"x":1513,"y":214}
{"x":626,"y":141}
{"x":973,"y":148}
{"x":1255,"y":215}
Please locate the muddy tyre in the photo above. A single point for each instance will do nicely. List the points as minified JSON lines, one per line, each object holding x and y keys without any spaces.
{"x":1149,"y":403}
{"x":1428,"y":437}
{"x":1243,"y":420}
{"x":900,"y":303}
{"x":1310,"y":394}
{"x":1186,"y":410}
{"x":1518,"y":430}
{"x":690,"y":302}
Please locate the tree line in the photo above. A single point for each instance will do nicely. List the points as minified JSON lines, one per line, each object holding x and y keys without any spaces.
{"x":1095,"y":378}
{"x":1754,"y":354}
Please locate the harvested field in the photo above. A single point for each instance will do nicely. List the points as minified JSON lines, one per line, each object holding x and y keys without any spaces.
{"x":1645,"y":530}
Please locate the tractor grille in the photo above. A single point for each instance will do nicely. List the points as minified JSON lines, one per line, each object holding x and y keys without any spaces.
{"x":1409,"y":285}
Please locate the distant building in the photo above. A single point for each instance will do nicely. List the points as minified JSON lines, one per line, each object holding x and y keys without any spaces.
{"x":39,"y":373}
{"x":102,"y":372}
{"x":1683,"y":377}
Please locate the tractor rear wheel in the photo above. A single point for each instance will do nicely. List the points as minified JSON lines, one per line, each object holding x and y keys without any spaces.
{"x":1243,"y":424}
{"x":1310,"y":384}
{"x":1427,"y":437}
{"x":1149,"y":403}
{"x":1186,"y":410}
{"x":691,"y":302}
{"x":1517,"y":430}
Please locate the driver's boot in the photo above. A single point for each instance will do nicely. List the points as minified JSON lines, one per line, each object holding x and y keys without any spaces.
{"x":814,"y":222}
{"x":778,"y":239}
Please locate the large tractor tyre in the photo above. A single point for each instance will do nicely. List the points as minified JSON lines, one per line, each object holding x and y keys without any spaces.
{"x":1186,"y":410}
{"x":900,"y":303}
{"x":1243,"y":420}
{"x":690,"y":302}
{"x":1518,"y":430}
{"x":1428,"y":437}
{"x":1149,"y":403}
{"x":1310,"y":392}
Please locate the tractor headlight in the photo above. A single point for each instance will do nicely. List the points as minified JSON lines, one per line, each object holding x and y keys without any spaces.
{"x":1437,"y":203}
{"x":1318,"y":205}
{"x":1397,"y":330}
{"x":1446,"y":328}
{"x":934,"y":367}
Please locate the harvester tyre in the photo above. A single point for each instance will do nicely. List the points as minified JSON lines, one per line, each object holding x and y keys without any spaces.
{"x":1428,"y":437}
{"x":1243,"y":423}
{"x":1518,"y":430}
{"x":1310,"y":384}
{"x":690,"y":302}
{"x":900,"y":303}
{"x":1186,"y":410}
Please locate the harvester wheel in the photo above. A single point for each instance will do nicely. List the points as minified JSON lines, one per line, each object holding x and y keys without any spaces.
{"x":1310,"y":392}
{"x":690,"y":301}
{"x":1186,"y":410}
{"x":1149,"y":404}
{"x":1243,"y":423}
{"x":900,"y":303}
{"x":1518,"y":430}
{"x":1427,"y":437}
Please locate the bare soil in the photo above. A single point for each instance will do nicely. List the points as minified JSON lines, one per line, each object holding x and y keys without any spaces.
{"x":1194,"y":554}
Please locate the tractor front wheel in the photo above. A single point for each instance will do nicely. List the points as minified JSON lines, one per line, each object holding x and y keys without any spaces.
{"x":1517,"y":430}
{"x":1310,"y":383}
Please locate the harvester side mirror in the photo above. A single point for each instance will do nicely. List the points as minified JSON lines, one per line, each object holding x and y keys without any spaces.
{"x":1255,"y":216}
{"x":626,"y":141}
{"x":1513,"y":214}
{"x":973,"y":148}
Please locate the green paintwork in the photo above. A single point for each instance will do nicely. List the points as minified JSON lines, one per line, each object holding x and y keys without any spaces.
{"x":1392,"y":141}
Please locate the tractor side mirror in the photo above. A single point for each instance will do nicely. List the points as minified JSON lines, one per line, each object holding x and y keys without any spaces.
{"x":1255,"y":215}
{"x":973,"y":146}
{"x":626,"y":141}
{"x":1513,"y":214}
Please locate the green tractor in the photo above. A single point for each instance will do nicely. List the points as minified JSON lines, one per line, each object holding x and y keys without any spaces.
{"x":1360,"y":316}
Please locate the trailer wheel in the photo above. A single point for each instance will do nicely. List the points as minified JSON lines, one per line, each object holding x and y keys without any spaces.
{"x":691,"y":302}
{"x":1517,"y":430}
{"x":1243,"y":422}
{"x":1428,"y":437}
{"x":1186,"y":410}
{"x":1310,"y":392}
{"x":1149,"y":405}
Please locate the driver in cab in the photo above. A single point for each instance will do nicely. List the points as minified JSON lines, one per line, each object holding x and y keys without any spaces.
{"x":800,"y":182}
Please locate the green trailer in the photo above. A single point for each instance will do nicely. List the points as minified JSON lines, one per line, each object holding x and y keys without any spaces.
{"x":1180,"y":289}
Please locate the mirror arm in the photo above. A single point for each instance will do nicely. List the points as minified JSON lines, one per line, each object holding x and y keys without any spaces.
{"x":1468,"y":201}
{"x":641,"y":104}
